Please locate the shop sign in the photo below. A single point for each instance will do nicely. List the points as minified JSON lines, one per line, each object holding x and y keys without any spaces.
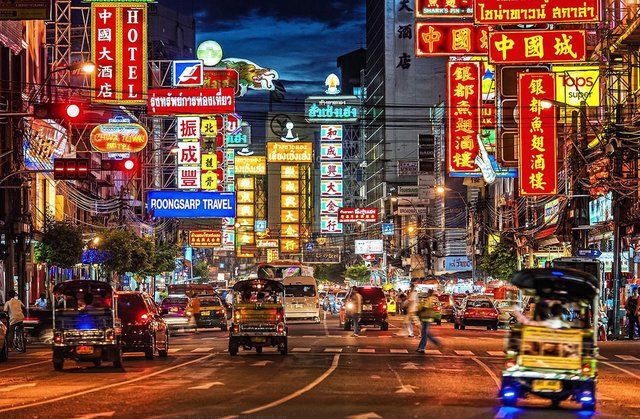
{"x":501,"y":12}
{"x":449,"y":38}
{"x":331,"y":133}
{"x":444,"y":8}
{"x":190,"y":101}
{"x":251,"y":165}
{"x":242,"y":138}
{"x":322,"y":254}
{"x":118,"y":138}
{"x":463,"y":113}
{"x":524,"y":46}
{"x":369,"y":247}
{"x":331,"y":187}
{"x":551,"y":210}
{"x":44,"y":141}
{"x":119,"y":52}
{"x":330,"y":224}
{"x":187,"y":73}
{"x":411,"y":211}
{"x":281,"y":152}
{"x":25,"y":10}
{"x":205,"y":239}
{"x":289,"y":216}
{"x":408,"y":168}
{"x":267,"y":243}
{"x":188,"y":127}
{"x":353,"y":215}
{"x":188,"y":153}
{"x":457,"y":263}
{"x":245,"y":197}
{"x":600,"y":209}
{"x":330,"y":205}
{"x":189,"y":177}
{"x":218,"y":78}
{"x":184,"y":204}
{"x":331,"y":109}
{"x":577,"y":84}
{"x":537,"y":149}
{"x":246,"y":183}
{"x":290,"y":172}
{"x":331,"y":170}
{"x":331,"y":151}
{"x":290,"y":245}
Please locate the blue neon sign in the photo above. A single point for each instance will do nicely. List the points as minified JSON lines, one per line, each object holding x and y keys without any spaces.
{"x":186,"y":204}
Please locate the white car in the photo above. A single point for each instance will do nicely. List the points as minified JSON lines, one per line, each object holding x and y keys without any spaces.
{"x":505,"y":307}
{"x":4,"y":339}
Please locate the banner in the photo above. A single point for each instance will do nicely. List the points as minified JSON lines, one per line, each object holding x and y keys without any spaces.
{"x":190,"y":101}
{"x":501,"y":12}
{"x":185,"y":204}
{"x":205,"y":239}
{"x":523,"y":46}
{"x":353,"y":215}
{"x":551,"y":348}
{"x":537,"y":165}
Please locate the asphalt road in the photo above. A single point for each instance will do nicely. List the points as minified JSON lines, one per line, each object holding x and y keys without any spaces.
{"x":327,"y":374}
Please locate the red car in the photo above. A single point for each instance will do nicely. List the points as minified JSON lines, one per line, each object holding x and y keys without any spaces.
{"x":446,"y":303}
{"x":476,"y":311}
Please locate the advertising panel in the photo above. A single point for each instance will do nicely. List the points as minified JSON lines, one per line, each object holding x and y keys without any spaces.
{"x":25,"y":10}
{"x":322,"y":254}
{"x":331,"y":151}
{"x":331,"y":133}
{"x":523,"y":46}
{"x":537,"y":145}
{"x":185,"y":101}
{"x":331,"y":109}
{"x":184,"y":204}
{"x":353,"y":215}
{"x":576,"y":84}
{"x":44,"y":141}
{"x":330,"y":205}
{"x":330,"y":224}
{"x":444,"y":8}
{"x":205,"y":239}
{"x":449,"y":38}
{"x":217,"y":78}
{"x":281,"y":152}
{"x":251,"y":165}
{"x":501,"y":12}
{"x":551,"y":348}
{"x":551,"y":210}
{"x":600,"y":210}
{"x":187,"y":73}
{"x":331,"y":170}
{"x":118,"y":138}
{"x":369,"y":247}
{"x":463,"y":113}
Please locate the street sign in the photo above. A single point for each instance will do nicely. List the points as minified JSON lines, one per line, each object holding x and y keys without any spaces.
{"x":387,"y":229}
{"x":594,"y":253}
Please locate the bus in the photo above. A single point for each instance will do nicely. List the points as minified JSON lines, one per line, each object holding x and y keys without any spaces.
{"x":279,"y":269}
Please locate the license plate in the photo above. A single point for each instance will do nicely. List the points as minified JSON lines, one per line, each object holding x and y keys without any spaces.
{"x":547,"y":385}
{"x":367,"y":307}
{"x":84,"y":350}
{"x":173,"y":309}
{"x":205,"y":313}
{"x":259,"y":340}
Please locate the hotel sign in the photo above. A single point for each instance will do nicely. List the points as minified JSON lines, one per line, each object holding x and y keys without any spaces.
{"x":510,"y":12}
{"x":118,"y":138}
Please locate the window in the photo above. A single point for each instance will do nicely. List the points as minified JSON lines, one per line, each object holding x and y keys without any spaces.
{"x":300,"y":291}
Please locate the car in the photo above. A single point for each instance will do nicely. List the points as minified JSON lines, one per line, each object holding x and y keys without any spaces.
{"x":374,"y":308}
{"x":143,"y":329}
{"x":177,"y":312}
{"x":506,"y":308}
{"x":212,"y":312}
{"x":476,"y":311}
{"x":340,"y":296}
{"x":4,"y":337}
{"x":446,"y":305}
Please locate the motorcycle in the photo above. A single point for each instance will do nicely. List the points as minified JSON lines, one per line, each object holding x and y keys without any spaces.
{"x":603,"y":325}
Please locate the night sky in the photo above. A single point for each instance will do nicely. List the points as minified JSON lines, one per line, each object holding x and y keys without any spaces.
{"x":298,"y":38}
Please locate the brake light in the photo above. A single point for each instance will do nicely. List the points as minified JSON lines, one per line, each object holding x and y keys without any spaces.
{"x":111,"y":335}
{"x":58,"y":337}
{"x":437,"y":308}
{"x":144,"y":317}
{"x":384,"y":307}
{"x":510,"y":363}
{"x":586,"y":368}
{"x":235,"y":328}
{"x":221,"y":311}
{"x":280,"y":327}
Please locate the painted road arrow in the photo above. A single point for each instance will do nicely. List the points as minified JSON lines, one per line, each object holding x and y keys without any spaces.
{"x":96,"y":415}
{"x":406,"y":388}
{"x":409,"y":366}
{"x":368,"y":415}
{"x":206,"y":386}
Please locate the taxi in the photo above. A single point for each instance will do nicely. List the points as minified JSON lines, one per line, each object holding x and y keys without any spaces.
{"x":212,"y":312}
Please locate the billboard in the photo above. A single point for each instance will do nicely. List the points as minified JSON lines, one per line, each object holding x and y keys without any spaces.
{"x":186,"y":204}
{"x":444,"y":8}
{"x":369,"y":247}
{"x":537,"y":165}
{"x":502,"y":12}
{"x":217,"y":78}
{"x":524,"y":46}
{"x":600,"y":209}
{"x":185,"y":101}
{"x":281,"y":152}
{"x":251,"y":165}
{"x":576,"y":84}
{"x":449,"y":38}
{"x":187,"y":73}
{"x":25,"y":10}
{"x":331,"y":109}
{"x":118,"y":138}
{"x":205,"y":239}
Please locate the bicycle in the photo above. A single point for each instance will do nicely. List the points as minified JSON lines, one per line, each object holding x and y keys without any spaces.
{"x":19,"y":339}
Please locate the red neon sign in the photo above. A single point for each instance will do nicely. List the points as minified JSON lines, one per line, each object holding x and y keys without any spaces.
{"x":446,"y":39}
{"x":508,"y":12}
{"x":522,"y":46}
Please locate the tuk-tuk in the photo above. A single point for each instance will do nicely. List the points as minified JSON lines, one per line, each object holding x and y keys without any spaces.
{"x":552,"y":352}
{"x":258,"y":316}
{"x":86,"y":326}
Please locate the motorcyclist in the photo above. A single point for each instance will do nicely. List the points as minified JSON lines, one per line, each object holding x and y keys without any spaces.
{"x":14,"y":307}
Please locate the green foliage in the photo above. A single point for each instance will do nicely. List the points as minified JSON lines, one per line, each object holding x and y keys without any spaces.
{"x":501,"y":263}
{"x":201,"y":269}
{"x":62,"y":244}
{"x":359,"y":273}
{"x":331,"y":272}
{"x":164,"y":259}
{"x":127,"y":252}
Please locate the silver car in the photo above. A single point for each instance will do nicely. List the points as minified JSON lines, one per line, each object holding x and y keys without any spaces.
{"x":506,"y":308}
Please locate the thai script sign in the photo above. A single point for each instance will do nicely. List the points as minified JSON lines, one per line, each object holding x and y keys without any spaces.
{"x":119,"y":138}
{"x":190,"y":101}
{"x":217,"y":78}
{"x":205,"y":238}
{"x":281,"y":152}
{"x":322,"y":254}
{"x":328,"y":109}
{"x":353,"y":215}
{"x":537,"y":164}
{"x":251,"y":165}
{"x":447,"y":38}
{"x":369,"y":247}
{"x":509,"y":12}
{"x":184,"y":204}
{"x":522,"y":46}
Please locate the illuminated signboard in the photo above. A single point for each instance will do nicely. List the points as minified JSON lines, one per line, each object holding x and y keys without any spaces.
{"x":187,"y":73}
{"x":522,"y":46}
{"x":267,"y":243}
{"x":331,"y":133}
{"x":577,"y":84}
{"x":119,"y":51}
{"x":251,"y":165}
{"x":328,"y":109}
{"x":369,"y":247}
{"x":463,"y":112}
{"x":245,"y":197}
{"x":289,"y":186}
{"x":353,"y":215}
{"x":281,"y":152}
{"x":188,"y":127}
{"x":330,"y":206}
{"x":433,"y":39}
{"x":331,"y":170}
{"x":444,"y":8}
{"x":331,"y":151}
{"x":537,"y":165}
{"x":189,"y":101}
{"x":289,"y":215}
{"x":44,"y":141}
{"x":330,"y":224}
{"x":331,"y":187}
{"x":118,"y":138}
{"x":205,"y":238}
{"x":290,"y":201}
{"x":290,"y":245}
{"x":501,"y":12}
{"x":184,"y":204}
{"x":217,"y":78}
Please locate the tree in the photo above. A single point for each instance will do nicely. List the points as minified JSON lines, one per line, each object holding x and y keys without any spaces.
{"x":164,"y":259}
{"x":359,"y":273}
{"x":142,"y":254}
{"x":62,"y":244}
{"x":126,"y":252}
{"x":501,"y":263}
{"x":331,"y":272}
{"x":201,"y":269}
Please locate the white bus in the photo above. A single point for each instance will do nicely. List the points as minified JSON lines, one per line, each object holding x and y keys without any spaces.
{"x":301,"y":298}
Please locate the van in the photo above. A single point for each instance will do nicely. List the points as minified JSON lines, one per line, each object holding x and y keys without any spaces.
{"x":301,"y":298}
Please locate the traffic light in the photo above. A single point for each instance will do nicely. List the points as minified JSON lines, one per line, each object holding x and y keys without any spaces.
{"x":61,"y":111}
{"x":128,"y":165}
{"x":70,"y":169}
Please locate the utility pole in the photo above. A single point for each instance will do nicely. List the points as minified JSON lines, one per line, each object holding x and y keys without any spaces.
{"x":617,"y":213}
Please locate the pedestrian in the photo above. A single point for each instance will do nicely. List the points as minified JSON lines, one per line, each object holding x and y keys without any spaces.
{"x":412,"y":310}
{"x":356,"y":299}
{"x":195,"y":309}
{"x":402,"y":298}
{"x":42,"y":301}
{"x":631,"y":306}
{"x":426,"y":314}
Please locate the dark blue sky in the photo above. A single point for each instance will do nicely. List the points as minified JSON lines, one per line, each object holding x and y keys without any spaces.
{"x":300,"y":39}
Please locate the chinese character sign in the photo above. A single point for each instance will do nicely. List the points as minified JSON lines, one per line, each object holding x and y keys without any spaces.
{"x":331,"y":133}
{"x":500,"y":12}
{"x":187,"y":127}
{"x":331,"y":151}
{"x":463,"y":112}
{"x":119,"y":51}
{"x":537,"y":134}
{"x":433,"y":39}
{"x":522,"y":46}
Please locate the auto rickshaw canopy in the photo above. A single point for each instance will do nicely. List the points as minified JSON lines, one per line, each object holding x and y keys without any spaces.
{"x":561,"y":284}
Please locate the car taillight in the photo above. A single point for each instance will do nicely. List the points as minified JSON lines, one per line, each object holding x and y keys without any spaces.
{"x":58,"y":337}
{"x":437,"y":308}
{"x":221,"y":311}
{"x":144,"y":316}
{"x":586,"y":368}
{"x":510,"y":363}
{"x":111,"y":335}
{"x":238,"y":316}
{"x":467,"y":312}
{"x":235,"y":328}
{"x":383,"y":307}
{"x":280,"y":327}
{"x":188,"y":313}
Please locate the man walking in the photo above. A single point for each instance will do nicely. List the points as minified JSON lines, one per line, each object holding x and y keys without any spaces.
{"x":412,"y":309}
{"x":425,"y":314}
{"x":631,"y":306}
{"x":356,"y":299}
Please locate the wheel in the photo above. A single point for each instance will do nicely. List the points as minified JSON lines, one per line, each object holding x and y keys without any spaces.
{"x":346,"y":325}
{"x":462,"y":325}
{"x":495,"y":327}
{"x":19,"y":340}
{"x":283,"y":347}
{"x":233,"y":347}
{"x":259,"y":349}
{"x":4,"y":353}
{"x":163,"y":353}
{"x":97,"y":362}
{"x":117,"y":360}
{"x":223,"y":327}
{"x":589,"y":406}
{"x":439,"y":322}
{"x":489,"y":327}
{"x":384,"y":326}
{"x":150,"y":351}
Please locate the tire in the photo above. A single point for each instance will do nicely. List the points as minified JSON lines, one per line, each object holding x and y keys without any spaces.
{"x":346,"y":325}
{"x":591,"y":407}
{"x":495,"y":327}
{"x":602,"y":334}
{"x":439,"y":322}
{"x":489,"y":327}
{"x":555,"y":403}
{"x":509,"y":403}
{"x":4,"y":353}
{"x":233,"y":347}
{"x":19,"y":339}
{"x":384,"y":326}
{"x":97,"y":362}
{"x":163,"y":353}
{"x":462,"y":326}
{"x":150,"y":351}
{"x":259,"y":349}
{"x":117,"y":360}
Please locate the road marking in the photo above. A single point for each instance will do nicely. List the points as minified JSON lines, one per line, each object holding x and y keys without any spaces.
{"x":201,"y":350}
{"x":261,"y":363}
{"x":333,"y":350}
{"x":206,"y":386}
{"x":398,"y":351}
{"x":375,"y":377}
{"x":496,"y":353}
{"x":310,"y":386}
{"x":409,"y":366}
{"x":488,"y":370}
{"x":310,"y":336}
{"x":214,"y":338}
{"x":23,"y":366}
{"x":366,"y":351}
{"x":96,"y":415}
{"x":301,"y":350}
{"x":636,"y":376}
{"x":15,"y":387}
{"x":464,"y":353}
{"x":174,"y":350}
{"x":627,"y":357}
{"x":336,"y":336}
{"x":602,"y":358}
{"x":105,"y":387}
{"x":432,"y":352}
{"x":41,"y":353}
{"x":407,"y":389}
{"x":326,"y":331}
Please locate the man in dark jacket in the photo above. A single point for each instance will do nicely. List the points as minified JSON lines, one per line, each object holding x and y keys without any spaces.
{"x":632,"y":312}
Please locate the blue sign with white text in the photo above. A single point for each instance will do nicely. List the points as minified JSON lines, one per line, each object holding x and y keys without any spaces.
{"x":387,"y":229}
{"x":186,"y":204}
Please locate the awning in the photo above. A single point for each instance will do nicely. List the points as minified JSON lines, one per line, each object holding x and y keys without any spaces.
{"x":547,"y":237}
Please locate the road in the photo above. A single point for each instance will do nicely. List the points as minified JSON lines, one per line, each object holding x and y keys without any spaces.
{"x":327,"y":374}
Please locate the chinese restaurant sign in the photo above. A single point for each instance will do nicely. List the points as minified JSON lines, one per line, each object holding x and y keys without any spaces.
{"x":190,"y":101}
{"x":281,"y":152}
{"x":444,"y":8}
{"x":353,"y":215}
{"x":522,"y":46}
{"x":119,"y":51}
{"x":205,"y":238}
{"x":537,"y":165}
{"x":119,"y":138}
{"x":447,"y":38}
{"x":508,"y":12}
{"x":463,"y":109}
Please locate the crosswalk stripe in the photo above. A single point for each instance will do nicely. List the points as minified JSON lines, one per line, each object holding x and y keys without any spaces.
{"x":398,"y":351}
{"x":366,"y":350}
{"x":301,"y":350}
{"x":496,"y":353}
{"x":627,"y":357}
{"x":309,"y":336}
{"x":174,"y":350}
{"x":335,"y":336}
{"x":334,"y":350}
{"x":201,"y":350}
{"x":464,"y":353}
{"x":432,"y":352}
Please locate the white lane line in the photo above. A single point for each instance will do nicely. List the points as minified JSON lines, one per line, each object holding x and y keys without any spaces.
{"x":310,"y":336}
{"x":627,"y":357}
{"x":206,"y":386}
{"x":310,"y":386}
{"x":42,"y":353}
{"x":464,"y":353}
{"x":105,"y":387}
{"x":636,"y":376}
{"x":326,"y":330}
{"x":333,"y":350}
{"x":398,"y":351}
{"x":335,"y":336}
{"x":301,"y":350}
{"x":488,"y":370}
{"x":23,"y":366}
{"x":201,"y":350}
{"x":496,"y":353}
{"x":366,"y":351}
{"x":174,"y":350}
{"x":432,"y":352}
{"x":15,"y":387}
{"x":603,"y":358}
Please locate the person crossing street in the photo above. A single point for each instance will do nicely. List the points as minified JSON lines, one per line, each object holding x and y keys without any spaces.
{"x":426,"y":314}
